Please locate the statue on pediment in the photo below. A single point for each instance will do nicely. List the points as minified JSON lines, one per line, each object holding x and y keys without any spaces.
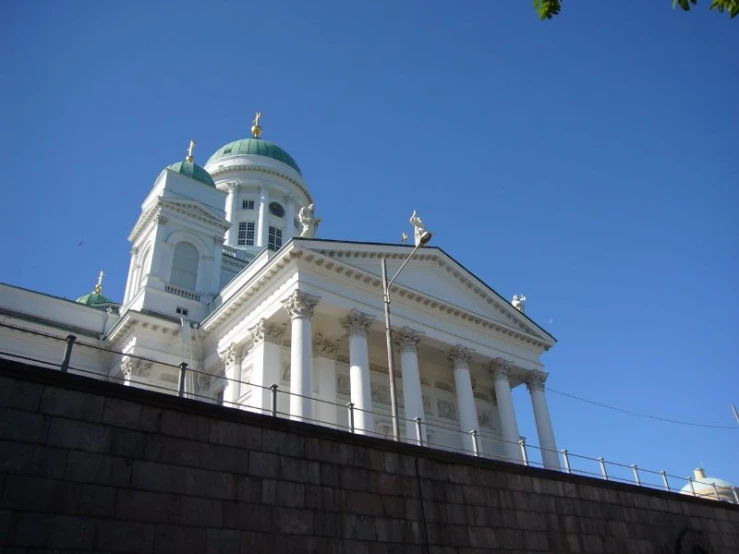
{"x":519,"y":302}
{"x":309,"y":221}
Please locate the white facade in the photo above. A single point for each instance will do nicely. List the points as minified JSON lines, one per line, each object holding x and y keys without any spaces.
{"x":207,"y":288}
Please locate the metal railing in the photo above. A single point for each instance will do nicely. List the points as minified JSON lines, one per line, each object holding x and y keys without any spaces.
{"x":190,"y":383}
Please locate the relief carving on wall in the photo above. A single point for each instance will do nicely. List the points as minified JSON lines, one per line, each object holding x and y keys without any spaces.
{"x":447,"y":409}
{"x":427,"y":405}
{"x":342,"y":384}
{"x":285,"y":371}
{"x":484,"y":417}
{"x":380,"y":393}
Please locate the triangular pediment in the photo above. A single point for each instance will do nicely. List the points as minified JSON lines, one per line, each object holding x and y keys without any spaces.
{"x":433,"y":274}
{"x":196,"y":210}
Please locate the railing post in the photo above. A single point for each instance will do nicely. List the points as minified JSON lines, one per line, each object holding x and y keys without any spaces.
{"x":637,"y":479}
{"x":273,"y":388}
{"x":183,"y":372}
{"x":603,"y":468}
{"x":566,"y":459}
{"x":418,"y":431}
{"x":524,"y":454}
{"x":692,"y":487}
{"x":350,"y":406}
{"x":475,"y":442}
{"x":663,"y":473}
{"x":67,"y":353}
{"x":715,"y":489}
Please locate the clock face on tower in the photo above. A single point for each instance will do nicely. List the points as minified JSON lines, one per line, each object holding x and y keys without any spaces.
{"x":276,"y":209}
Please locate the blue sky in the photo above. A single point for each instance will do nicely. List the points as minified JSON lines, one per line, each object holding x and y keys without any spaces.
{"x":589,"y":162}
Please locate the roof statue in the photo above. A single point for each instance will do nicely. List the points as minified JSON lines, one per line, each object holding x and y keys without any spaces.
{"x":190,"y":151}
{"x":519,"y":302}
{"x":309,"y":221}
{"x":420,"y":235}
{"x":256,"y":130}
{"x":99,"y":286}
{"x":404,"y":238}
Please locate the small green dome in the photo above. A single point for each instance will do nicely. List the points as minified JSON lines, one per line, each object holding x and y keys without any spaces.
{"x":95,"y":299}
{"x":255,"y":147}
{"x":194,"y":171}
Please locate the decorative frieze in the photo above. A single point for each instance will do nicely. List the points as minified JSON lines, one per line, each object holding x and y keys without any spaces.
{"x":500,"y":368}
{"x":325,"y":348}
{"x":444,"y":386}
{"x":407,"y":340}
{"x":301,"y":304}
{"x":535,"y":380}
{"x":266,"y":331}
{"x":357,"y":323}
{"x":460,"y":355}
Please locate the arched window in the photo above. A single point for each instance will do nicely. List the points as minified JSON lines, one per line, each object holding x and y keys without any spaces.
{"x":184,"y":266}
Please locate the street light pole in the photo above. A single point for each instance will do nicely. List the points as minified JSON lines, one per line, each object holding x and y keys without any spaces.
{"x":390,"y":353}
{"x":388,"y":333}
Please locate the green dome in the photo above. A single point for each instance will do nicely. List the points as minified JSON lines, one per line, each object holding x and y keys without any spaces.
{"x":194,"y":171}
{"x":255,"y":147}
{"x":94,"y":299}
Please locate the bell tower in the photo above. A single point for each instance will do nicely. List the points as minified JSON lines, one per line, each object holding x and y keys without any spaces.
{"x":178,"y":244}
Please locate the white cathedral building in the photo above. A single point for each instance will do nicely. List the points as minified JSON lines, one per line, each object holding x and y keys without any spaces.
{"x":227,"y":274}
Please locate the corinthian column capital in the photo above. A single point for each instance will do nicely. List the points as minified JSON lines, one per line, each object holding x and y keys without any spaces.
{"x":300,"y":304}
{"x":407,"y":339}
{"x":535,"y":380}
{"x":231,"y":355}
{"x":266,"y":331}
{"x":500,"y":368}
{"x":357,"y":323}
{"x":460,"y":355}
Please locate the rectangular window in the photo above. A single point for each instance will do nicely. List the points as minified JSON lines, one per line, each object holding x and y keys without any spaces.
{"x":247,"y":204}
{"x":275,"y":239}
{"x":246,"y":233}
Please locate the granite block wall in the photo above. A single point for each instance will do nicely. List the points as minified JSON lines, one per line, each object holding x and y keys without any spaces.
{"x":88,"y":466}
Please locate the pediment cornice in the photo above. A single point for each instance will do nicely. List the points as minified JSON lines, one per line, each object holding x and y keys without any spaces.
{"x":190,"y":209}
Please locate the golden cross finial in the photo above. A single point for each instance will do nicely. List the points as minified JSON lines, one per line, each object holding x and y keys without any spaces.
{"x":256,"y":130}
{"x":190,"y":151}
{"x":99,"y":286}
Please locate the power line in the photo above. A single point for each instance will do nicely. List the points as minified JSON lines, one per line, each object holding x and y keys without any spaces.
{"x":637,"y":414}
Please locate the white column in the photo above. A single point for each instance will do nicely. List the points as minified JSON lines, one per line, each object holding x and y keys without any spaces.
{"x":266,"y":338}
{"x":231,"y":208}
{"x":407,"y":340}
{"x":501,"y":370}
{"x":324,"y":365}
{"x":158,"y":273}
{"x":263,"y":221}
{"x":301,"y":307}
{"x":131,"y":271}
{"x":461,"y":358}
{"x":550,"y":455}
{"x":231,"y":358}
{"x":289,"y":218}
{"x":357,"y":325}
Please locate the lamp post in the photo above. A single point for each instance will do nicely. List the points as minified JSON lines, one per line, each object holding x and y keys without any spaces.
{"x":422,"y":237}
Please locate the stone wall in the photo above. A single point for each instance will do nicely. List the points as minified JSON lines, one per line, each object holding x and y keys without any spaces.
{"x":88,"y":466}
